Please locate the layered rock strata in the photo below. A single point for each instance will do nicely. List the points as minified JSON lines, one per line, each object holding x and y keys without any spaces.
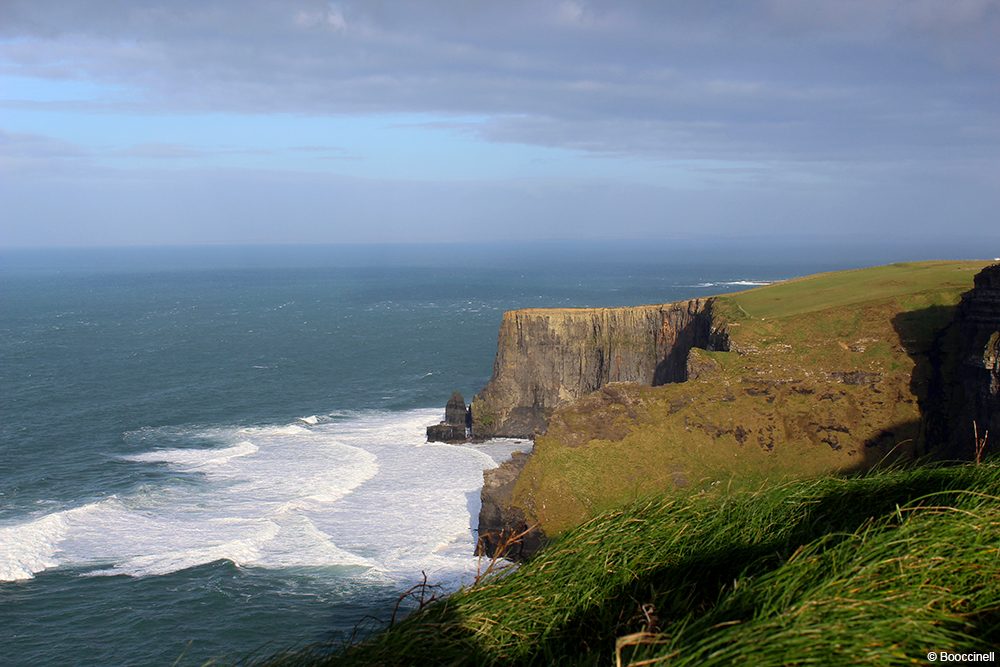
{"x":549,"y":356}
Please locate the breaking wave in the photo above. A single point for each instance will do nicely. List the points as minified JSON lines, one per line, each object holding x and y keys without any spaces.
{"x":737,"y":283}
{"x":364,"y":495}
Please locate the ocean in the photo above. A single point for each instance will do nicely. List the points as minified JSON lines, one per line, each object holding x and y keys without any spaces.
{"x":219,"y":452}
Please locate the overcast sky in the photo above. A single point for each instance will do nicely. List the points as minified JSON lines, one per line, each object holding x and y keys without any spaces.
{"x":297,"y":121}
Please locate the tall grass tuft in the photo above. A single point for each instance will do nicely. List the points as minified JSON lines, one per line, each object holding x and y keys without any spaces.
{"x":878,"y":569}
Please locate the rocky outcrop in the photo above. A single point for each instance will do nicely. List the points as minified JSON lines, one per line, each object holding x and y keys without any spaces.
{"x":454,"y":428}
{"x":978,"y":322}
{"x":503,"y":528}
{"x":549,"y":356}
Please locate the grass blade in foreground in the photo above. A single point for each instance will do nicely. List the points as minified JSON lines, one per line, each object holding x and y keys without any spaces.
{"x":879,"y":568}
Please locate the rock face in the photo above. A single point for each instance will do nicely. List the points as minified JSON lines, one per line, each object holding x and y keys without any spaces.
{"x":453,"y":428}
{"x":454,"y":410}
{"x":978,"y":322}
{"x":499,"y":522}
{"x":548,"y":356}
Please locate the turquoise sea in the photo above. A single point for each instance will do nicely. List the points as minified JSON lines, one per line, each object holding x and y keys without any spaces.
{"x":219,"y":452}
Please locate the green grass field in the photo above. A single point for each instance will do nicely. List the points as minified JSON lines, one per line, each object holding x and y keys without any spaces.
{"x":876,"y":568}
{"x":849,"y":288}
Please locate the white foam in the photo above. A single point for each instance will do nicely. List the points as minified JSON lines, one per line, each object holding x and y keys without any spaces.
{"x":190,"y":459}
{"x":365,"y":493}
{"x":30,"y":548}
{"x":242,"y":501}
{"x":737,"y":283}
{"x":311,"y":420}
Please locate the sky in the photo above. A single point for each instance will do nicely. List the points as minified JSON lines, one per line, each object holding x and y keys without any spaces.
{"x":134,"y":122}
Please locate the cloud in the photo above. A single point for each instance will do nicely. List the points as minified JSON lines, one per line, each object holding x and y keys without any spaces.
{"x":20,"y":144}
{"x":779,"y":78}
{"x":40,"y":154}
{"x":330,"y":17}
{"x":27,"y":153}
{"x":174,"y":151}
{"x":160,"y":151}
{"x":324,"y":152}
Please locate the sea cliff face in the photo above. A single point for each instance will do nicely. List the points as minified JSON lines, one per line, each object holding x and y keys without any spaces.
{"x":547,"y":357}
{"x":978,"y":322}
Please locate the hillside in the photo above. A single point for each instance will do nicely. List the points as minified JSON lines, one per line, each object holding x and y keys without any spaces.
{"x":823,"y":374}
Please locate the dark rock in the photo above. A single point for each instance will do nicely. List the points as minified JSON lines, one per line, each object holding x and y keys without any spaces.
{"x":446,"y":433}
{"x":454,"y":411}
{"x":500,"y":521}
{"x":978,"y":321}
{"x":856,"y":377}
{"x":454,"y":427}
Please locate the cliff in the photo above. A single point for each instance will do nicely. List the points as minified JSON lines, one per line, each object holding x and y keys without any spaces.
{"x":547,"y":357}
{"x":504,"y":527}
{"x":829,"y":373}
{"x":978,"y":371}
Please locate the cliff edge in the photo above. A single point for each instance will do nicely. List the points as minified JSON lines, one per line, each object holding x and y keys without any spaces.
{"x":547,"y":357}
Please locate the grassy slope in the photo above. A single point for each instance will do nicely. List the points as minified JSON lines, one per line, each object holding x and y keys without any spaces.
{"x":826,"y":374}
{"x":878,"y":569}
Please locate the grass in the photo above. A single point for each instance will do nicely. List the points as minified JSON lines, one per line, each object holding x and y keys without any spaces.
{"x":843,"y":289}
{"x":827,"y":374}
{"x":878,"y":568}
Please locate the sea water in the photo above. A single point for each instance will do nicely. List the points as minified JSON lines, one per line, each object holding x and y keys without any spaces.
{"x":220,"y":452}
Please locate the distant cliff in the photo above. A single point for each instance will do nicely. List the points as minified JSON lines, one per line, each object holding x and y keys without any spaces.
{"x":546,"y":357}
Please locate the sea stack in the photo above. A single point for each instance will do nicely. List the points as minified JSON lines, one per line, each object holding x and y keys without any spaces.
{"x":454,"y":427}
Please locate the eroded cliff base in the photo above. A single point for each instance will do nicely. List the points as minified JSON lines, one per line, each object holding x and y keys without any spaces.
{"x":504,"y":529}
